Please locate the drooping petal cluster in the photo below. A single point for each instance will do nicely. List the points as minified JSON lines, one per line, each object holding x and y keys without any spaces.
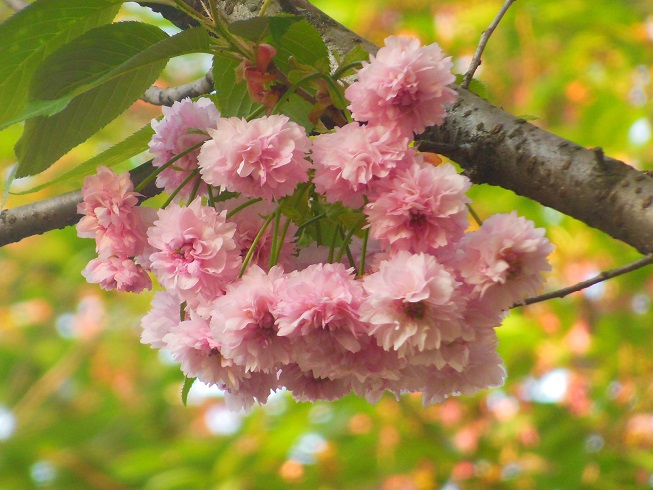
{"x":265,"y":157}
{"x":422,"y":208}
{"x":195,"y":252}
{"x":364,"y":279}
{"x":504,"y":259}
{"x":352,"y":159}
{"x":184,"y":125}
{"x":404,"y":87}
{"x":119,"y":228}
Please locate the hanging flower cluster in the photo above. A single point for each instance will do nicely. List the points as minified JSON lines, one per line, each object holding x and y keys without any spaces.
{"x":263,"y":288}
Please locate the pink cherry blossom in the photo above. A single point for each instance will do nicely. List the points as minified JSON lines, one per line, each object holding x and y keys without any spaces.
{"x":503,"y":261}
{"x":182,"y":126}
{"x":195,"y":251}
{"x":423,"y":208}
{"x":243,"y":322}
{"x":318,"y":309}
{"x":350,"y":160}
{"x":265,"y":157}
{"x":482,"y":370}
{"x":306,"y":387}
{"x":163,"y":318}
{"x":404,"y":87}
{"x":412,"y":304}
{"x":110,"y":214}
{"x":119,"y":273}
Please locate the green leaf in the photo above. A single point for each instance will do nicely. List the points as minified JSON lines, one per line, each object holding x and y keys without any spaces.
{"x":118,"y":153}
{"x":188,"y":384}
{"x":355,"y":54}
{"x":35,"y":32}
{"x":46,"y":139}
{"x":232,"y":98}
{"x":258,"y":28}
{"x":66,"y":73}
{"x":303,"y":43}
{"x":37,"y":108}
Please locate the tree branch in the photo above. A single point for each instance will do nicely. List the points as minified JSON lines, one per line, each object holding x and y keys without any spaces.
{"x":485,"y":37}
{"x":16,"y":4}
{"x":603,"y":276}
{"x":56,"y":212}
{"x":168,"y":96}
{"x":492,"y":146}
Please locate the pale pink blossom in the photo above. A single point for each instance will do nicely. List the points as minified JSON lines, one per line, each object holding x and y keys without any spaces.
{"x":306,"y":387}
{"x":243,"y":322}
{"x":504,"y":259}
{"x":318,"y":309}
{"x":110,"y":214}
{"x":265,"y":157}
{"x":412,"y":304}
{"x":350,"y":160}
{"x":195,"y":251}
{"x":404,"y":87}
{"x":163,"y":318}
{"x":184,"y":125}
{"x":192,"y":344}
{"x":119,"y":273}
{"x":482,"y":370}
{"x":422,"y":208}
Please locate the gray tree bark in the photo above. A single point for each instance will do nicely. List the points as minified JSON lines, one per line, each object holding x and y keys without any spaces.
{"x":491,"y":145}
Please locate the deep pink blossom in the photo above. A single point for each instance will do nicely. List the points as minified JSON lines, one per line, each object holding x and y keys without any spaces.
{"x":265,"y":157}
{"x":412,"y":304}
{"x":119,"y":273}
{"x":195,"y":251}
{"x":110,"y":214}
{"x":422,"y":208}
{"x":318,"y":309}
{"x":404,"y":87}
{"x":350,"y":160}
{"x":503,"y":261}
{"x":184,"y":124}
{"x":243,"y":322}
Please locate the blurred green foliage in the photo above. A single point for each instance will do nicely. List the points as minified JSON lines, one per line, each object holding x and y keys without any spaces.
{"x":84,"y":405}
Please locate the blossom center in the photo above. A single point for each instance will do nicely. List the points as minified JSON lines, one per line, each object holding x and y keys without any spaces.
{"x":510,"y":257}
{"x":266,"y":330}
{"x":415,"y":310}
{"x":417,"y":220}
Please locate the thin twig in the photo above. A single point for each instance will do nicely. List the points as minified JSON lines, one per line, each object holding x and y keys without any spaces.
{"x":168,"y":96}
{"x":16,"y":4}
{"x":603,"y":276}
{"x":485,"y":37}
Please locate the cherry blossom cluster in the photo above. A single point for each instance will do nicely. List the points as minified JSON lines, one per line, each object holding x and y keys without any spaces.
{"x":410,"y":302}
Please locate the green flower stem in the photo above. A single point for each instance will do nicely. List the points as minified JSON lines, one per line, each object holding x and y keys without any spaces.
{"x":293,"y":88}
{"x":345,"y":242}
{"x":366,"y":237}
{"x":311,"y":221}
{"x":476,"y":217}
{"x":338,"y":73}
{"x":211,"y":197}
{"x":275,"y":234}
{"x":196,"y":188}
{"x":252,"y":247}
{"x":277,"y":249}
{"x":169,"y":163}
{"x":255,"y":113}
{"x":243,"y":206}
{"x":194,"y":173}
{"x":332,"y":247}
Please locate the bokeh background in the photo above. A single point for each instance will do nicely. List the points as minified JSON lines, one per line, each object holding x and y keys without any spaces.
{"x":84,"y":405}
